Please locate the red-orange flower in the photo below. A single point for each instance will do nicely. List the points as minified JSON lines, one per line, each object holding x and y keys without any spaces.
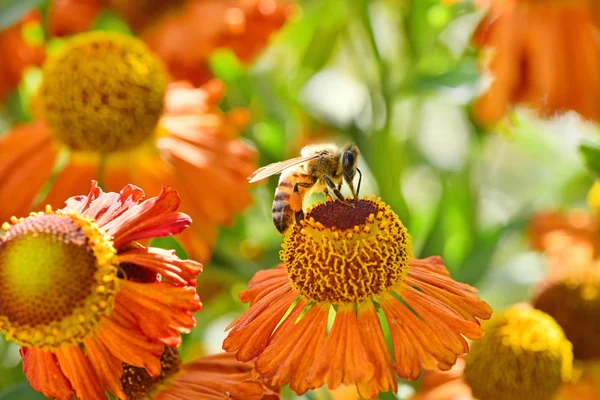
{"x":542,"y":54}
{"x":185,"y":45}
{"x":16,"y":53}
{"x":570,"y":239}
{"x":214,"y":377}
{"x":172,"y":31}
{"x":126,"y":125}
{"x":76,"y":278}
{"x":354,"y":261}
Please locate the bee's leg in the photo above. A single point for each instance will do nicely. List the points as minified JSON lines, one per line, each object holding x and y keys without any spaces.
{"x":296,"y":201}
{"x":351,"y":184}
{"x":331,"y":185}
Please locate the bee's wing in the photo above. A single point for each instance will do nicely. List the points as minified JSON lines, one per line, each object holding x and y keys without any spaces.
{"x":277,"y":167}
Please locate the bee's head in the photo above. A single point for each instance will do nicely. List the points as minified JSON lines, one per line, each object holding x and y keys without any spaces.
{"x":350,"y":159}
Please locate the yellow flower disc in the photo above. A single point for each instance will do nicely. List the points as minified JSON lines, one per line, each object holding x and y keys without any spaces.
{"x":573,"y":300}
{"x":524,"y":355}
{"x":345,"y":252}
{"x":103,"y":92}
{"x":58,"y":277}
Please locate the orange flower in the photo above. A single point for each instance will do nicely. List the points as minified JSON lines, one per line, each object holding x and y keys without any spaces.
{"x":542,"y":54}
{"x":172,"y":31}
{"x":76,"y":278}
{"x":127,"y":125}
{"x":185,"y":45}
{"x":16,"y":53}
{"x":353,"y":260}
{"x":569,"y":238}
{"x":215,"y":377}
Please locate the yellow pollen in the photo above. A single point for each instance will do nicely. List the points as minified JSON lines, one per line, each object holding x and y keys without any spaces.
{"x":524,"y":355}
{"x":571,"y":298}
{"x":51,"y":265}
{"x":103,"y":92}
{"x":340,"y":254}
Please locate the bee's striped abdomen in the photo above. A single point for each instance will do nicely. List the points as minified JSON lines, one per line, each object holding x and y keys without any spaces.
{"x":283,"y":210}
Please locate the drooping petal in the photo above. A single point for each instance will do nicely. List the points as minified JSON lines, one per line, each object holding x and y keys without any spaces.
{"x":290,"y":359}
{"x":343,"y":359}
{"x":77,"y":368}
{"x":216,"y":377}
{"x":108,"y":368}
{"x":163,"y":311}
{"x":44,"y":374}
{"x":406,"y":327}
{"x":371,"y":335}
{"x":252,"y":331}
{"x":127,"y":343}
{"x":27,"y":155}
{"x":165,"y":263}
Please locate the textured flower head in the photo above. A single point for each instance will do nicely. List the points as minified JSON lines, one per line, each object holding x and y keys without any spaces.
{"x":76,"y":278}
{"x":105,"y":102}
{"x":572,"y":298}
{"x":353,"y":261}
{"x":524,"y":355}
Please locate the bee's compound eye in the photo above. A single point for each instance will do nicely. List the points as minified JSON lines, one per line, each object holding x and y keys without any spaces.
{"x":349,"y":159}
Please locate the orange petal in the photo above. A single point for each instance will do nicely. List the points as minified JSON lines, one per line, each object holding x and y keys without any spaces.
{"x":371,"y":334}
{"x":27,"y":156}
{"x":446,"y":323}
{"x":252,"y":331}
{"x":343,"y":359}
{"x":44,"y":374}
{"x":108,"y":368}
{"x":164,"y":262}
{"x":79,"y":371}
{"x":290,"y":359}
{"x":120,"y":335}
{"x":405,"y":328}
{"x":163,"y":311}
{"x":216,"y":377}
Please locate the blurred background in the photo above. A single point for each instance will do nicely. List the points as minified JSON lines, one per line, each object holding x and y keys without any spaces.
{"x":400,"y":78}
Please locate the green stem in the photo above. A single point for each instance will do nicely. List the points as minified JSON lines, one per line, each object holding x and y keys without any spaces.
{"x":385,"y":150}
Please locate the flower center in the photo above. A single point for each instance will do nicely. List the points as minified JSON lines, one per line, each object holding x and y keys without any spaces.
{"x":57,"y":279}
{"x":347,"y":251}
{"x":524,"y":355}
{"x":136,"y":381}
{"x":103,"y":92}
{"x":573,"y":300}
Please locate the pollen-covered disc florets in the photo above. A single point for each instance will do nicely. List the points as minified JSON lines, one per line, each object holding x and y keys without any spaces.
{"x":347,"y":251}
{"x":58,"y":277}
{"x":524,"y":355}
{"x":572,"y":298}
{"x":103,"y":92}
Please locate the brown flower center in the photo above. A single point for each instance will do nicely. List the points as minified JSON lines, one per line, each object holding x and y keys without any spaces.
{"x":347,"y":251}
{"x":138,"y":384}
{"x":57,"y":278}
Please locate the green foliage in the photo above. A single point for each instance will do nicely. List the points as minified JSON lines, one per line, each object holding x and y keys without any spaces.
{"x":11,"y":11}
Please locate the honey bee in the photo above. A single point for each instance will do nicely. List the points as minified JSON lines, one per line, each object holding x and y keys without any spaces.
{"x":319,"y":168}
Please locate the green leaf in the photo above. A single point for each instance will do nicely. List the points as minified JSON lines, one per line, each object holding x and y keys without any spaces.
{"x":21,"y":391}
{"x":591,"y":157}
{"x":170,"y":243}
{"x":11,"y":11}
{"x":109,"y":21}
